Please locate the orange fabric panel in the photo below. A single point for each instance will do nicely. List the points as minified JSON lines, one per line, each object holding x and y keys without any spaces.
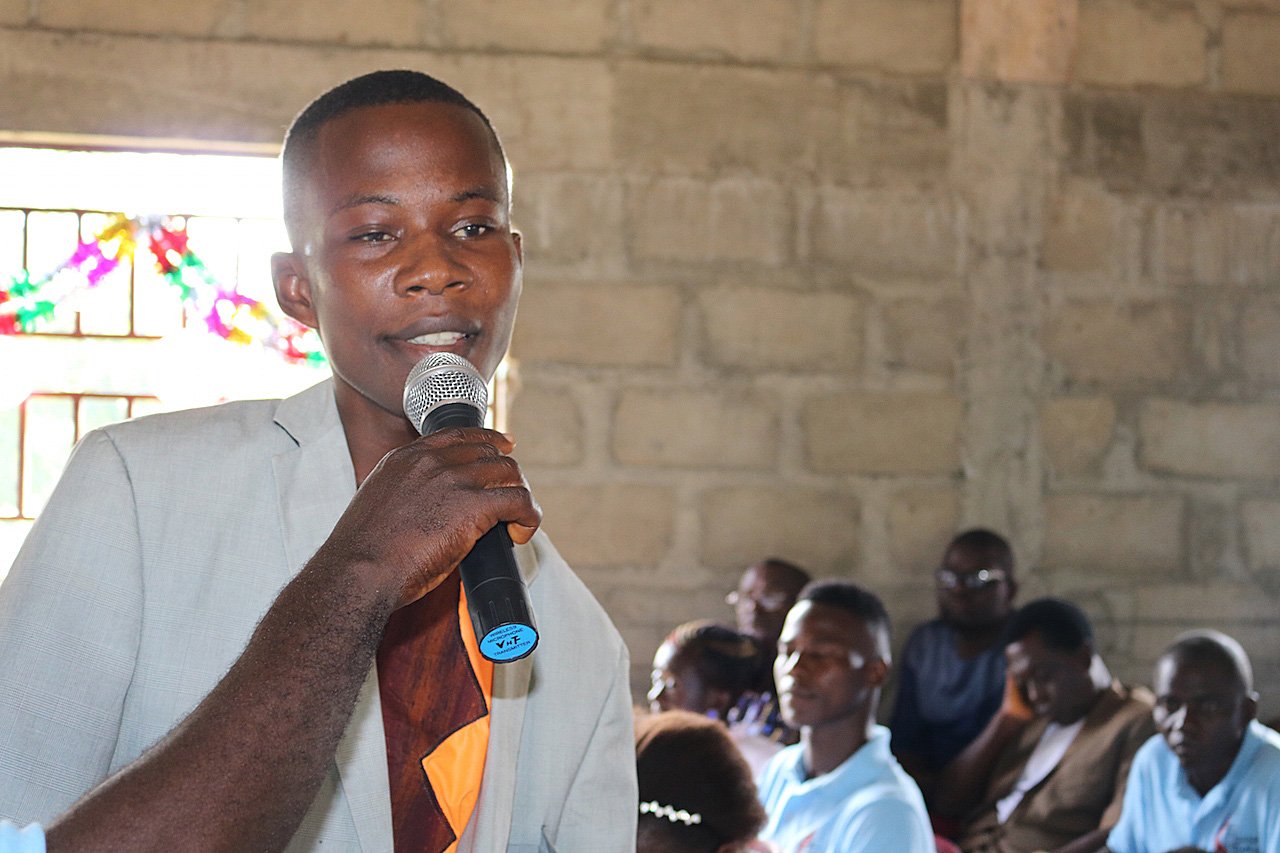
{"x":456,"y":767}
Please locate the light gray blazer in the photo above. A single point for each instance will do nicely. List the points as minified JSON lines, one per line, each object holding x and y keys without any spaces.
{"x":164,"y":543}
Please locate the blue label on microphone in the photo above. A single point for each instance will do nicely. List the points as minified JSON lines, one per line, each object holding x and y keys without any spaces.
{"x":508,"y":642}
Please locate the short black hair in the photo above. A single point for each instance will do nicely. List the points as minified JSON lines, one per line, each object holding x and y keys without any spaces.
{"x":368,"y":90}
{"x":1061,"y":625}
{"x":862,"y":603}
{"x":723,"y":658}
{"x":791,"y":575}
{"x":986,"y":541}
{"x":688,"y":763}
{"x":1214,"y":647}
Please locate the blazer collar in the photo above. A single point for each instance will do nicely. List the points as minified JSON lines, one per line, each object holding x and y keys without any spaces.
{"x":315,"y":482}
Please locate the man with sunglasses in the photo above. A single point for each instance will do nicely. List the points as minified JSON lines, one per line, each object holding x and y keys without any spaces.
{"x":952,"y":677}
{"x":1211,"y":781}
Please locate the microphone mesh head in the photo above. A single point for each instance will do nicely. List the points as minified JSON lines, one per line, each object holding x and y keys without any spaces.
{"x":441,"y":378}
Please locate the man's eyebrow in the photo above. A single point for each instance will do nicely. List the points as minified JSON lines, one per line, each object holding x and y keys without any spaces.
{"x":357,"y":200}
{"x":481,"y":192}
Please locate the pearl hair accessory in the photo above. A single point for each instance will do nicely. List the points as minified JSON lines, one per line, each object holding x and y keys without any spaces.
{"x":654,"y":808}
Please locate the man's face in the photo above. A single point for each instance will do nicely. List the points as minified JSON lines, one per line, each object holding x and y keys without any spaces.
{"x":827,"y":668}
{"x":760,"y":603}
{"x":676,"y":684}
{"x":408,"y":249}
{"x":1202,"y":711}
{"x":974,"y":591}
{"x":1056,"y":684}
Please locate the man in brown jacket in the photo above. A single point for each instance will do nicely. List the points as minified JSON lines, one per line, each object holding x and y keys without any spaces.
{"x":1048,"y":772}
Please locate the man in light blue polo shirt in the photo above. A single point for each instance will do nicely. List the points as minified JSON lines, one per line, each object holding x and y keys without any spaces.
{"x":839,"y":789}
{"x":1211,"y":779}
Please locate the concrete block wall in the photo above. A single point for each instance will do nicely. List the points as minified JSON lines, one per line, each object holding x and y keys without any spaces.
{"x":830,"y":279}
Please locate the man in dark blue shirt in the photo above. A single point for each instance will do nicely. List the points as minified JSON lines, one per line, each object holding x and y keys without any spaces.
{"x":953,"y":669}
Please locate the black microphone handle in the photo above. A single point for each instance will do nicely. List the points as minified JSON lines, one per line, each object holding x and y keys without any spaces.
{"x":496,"y":595}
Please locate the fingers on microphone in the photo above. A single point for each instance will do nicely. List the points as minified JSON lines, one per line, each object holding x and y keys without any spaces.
{"x":516,"y":506}
{"x":468,"y":435}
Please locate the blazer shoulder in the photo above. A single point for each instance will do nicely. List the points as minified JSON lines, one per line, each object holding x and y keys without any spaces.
{"x":213,"y":430}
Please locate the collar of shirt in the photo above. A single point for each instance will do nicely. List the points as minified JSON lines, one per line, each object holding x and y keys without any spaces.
{"x":863,"y":767}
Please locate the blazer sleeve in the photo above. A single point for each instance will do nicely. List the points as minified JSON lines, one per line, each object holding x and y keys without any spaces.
{"x":70,"y":622}
{"x":600,"y":811}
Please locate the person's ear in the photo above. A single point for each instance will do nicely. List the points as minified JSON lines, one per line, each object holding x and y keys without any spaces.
{"x":719,"y":700}
{"x":293,"y":288}
{"x":1249,"y":708}
{"x":878,"y":672}
{"x":518,"y":239}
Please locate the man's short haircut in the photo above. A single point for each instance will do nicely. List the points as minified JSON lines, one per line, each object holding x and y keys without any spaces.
{"x":863,"y":604}
{"x":788,"y":574}
{"x":1061,"y":625}
{"x":723,"y":658}
{"x":982,"y":540}
{"x":1213,"y":647}
{"x":368,"y":90}
{"x":688,"y":763}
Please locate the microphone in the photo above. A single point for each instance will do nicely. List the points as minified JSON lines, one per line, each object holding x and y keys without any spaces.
{"x":445,"y":390}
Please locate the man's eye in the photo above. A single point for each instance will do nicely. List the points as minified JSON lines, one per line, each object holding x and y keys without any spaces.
{"x":473,"y":229}
{"x":372,"y":237}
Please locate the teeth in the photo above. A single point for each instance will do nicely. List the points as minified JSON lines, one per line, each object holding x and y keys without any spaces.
{"x":438,"y":339}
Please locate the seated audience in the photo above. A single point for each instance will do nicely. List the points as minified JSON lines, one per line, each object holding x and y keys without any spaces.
{"x":708,"y":669}
{"x":840,"y":789}
{"x":952,"y":676}
{"x":1211,"y":781}
{"x":1048,"y":772}
{"x":696,"y":793}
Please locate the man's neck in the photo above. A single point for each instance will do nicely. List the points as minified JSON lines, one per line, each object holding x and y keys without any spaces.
{"x":973,"y":641}
{"x":828,"y":746}
{"x":369,"y":442}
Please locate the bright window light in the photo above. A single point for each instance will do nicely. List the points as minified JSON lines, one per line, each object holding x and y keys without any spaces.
{"x":122,"y":348}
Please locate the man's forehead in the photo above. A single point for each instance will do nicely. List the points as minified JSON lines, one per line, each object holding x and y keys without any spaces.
{"x":971,"y":558}
{"x":823,"y":621}
{"x":1195,"y":672}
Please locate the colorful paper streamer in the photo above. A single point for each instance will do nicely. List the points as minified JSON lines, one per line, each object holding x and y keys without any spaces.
{"x":26,"y":303}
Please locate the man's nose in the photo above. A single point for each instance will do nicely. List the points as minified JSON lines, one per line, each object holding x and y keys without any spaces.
{"x":431,"y":266}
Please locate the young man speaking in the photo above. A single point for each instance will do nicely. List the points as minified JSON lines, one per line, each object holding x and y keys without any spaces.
{"x":169,"y":538}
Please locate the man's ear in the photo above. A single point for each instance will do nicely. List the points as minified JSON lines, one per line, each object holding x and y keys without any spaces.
{"x":719,"y":700}
{"x":293,"y":288}
{"x":878,"y":672}
{"x":518,"y":239}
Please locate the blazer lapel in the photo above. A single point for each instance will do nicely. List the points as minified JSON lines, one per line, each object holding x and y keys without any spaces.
{"x":315,"y":482}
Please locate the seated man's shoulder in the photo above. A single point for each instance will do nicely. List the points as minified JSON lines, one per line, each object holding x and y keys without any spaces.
{"x":1132,"y":708}
{"x":928,"y":640}
{"x":1266,"y":762}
